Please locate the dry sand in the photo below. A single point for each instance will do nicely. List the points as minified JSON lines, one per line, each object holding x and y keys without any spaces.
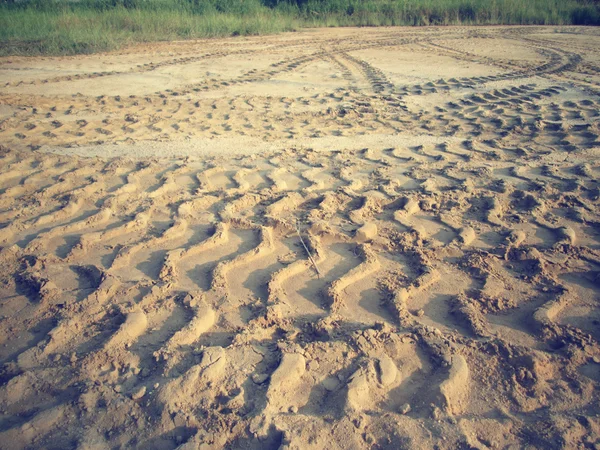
{"x":157,"y":205}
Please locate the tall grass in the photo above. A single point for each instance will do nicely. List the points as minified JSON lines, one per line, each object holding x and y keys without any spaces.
{"x":83,"y":26}
{"x":88,"y":26}
{"x":453,"y":12}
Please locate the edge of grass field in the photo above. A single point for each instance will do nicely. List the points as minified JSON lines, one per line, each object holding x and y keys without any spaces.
{"x":59,"y":27}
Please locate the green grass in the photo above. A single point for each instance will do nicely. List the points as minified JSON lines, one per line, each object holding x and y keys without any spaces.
{"x":66,"y":31}
{"x":32,"y":27}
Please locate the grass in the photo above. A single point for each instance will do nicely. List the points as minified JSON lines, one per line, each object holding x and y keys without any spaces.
{"x":65,"y":27}
{"x":65,"y":32}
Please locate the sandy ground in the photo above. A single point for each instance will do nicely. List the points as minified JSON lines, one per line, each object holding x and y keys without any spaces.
{"x":345,"y":238}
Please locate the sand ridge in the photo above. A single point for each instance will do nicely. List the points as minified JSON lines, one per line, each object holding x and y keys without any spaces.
{"x":342,"y":242}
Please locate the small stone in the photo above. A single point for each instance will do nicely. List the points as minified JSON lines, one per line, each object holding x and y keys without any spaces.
{"x":313,"y":365}
{"x":260,"y":378}
{"x":293,"y":409}
{"x":420,"y":313}
{"x":596,"y":359}
{"x":331,"y":383}
{"x":404,"y":409}
{"x":156,"y":385}
{"x":387,"y":370}
{"x":139,"y":393}
{"x":118,"y":388}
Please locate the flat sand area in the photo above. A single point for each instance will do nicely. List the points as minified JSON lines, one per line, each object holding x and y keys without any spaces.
{"x":382,"y":238}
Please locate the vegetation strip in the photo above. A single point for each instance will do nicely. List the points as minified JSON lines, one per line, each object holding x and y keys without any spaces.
{"x":34,"y":27}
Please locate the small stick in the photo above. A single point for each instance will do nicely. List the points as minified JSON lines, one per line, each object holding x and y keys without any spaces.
{"x":308,"y":252}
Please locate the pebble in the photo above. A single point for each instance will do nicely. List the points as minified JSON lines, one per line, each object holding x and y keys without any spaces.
{"x":405,"y":409}
{"x":260,"y":378}
{"x":139,"y":393}
{"x":331,"y":383}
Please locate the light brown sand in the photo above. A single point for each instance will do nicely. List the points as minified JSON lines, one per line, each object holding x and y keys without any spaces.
{"x":155,"y":287}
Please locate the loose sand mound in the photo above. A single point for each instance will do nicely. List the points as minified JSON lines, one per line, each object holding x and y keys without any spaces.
{"x":382,"y":238}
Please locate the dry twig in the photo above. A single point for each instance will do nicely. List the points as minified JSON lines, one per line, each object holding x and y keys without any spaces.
{"x":308,"y":251}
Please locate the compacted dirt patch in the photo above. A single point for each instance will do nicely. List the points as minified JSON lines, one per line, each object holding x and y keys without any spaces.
{"x":354,"y":238}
